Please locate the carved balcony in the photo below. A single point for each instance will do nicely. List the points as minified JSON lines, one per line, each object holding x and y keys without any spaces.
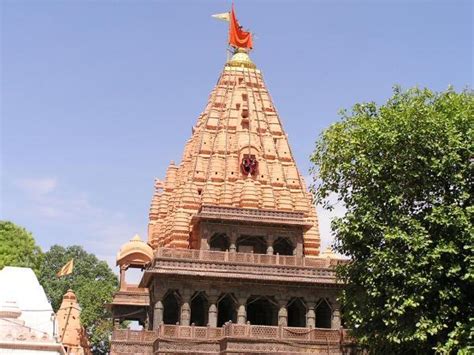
{"x":243,"y":266}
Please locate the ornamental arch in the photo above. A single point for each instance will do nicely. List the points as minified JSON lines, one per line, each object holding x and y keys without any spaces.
{"x":262,"y":311}
{"x":226,"y":309}
{"x":323,"y":314}
{"x":199,"y":309}
{"x":171,"y":307}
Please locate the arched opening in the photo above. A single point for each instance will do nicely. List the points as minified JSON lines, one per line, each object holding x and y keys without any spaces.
{"x":296,"y":313}
{"x":171,"y":306}
{"x":199,"y":309}
{"x":261,"y":311}
{"x":226,"y":310}
{"x":283,"y":246}
{"x":251,"y":244}
{"x":323,"y":315}
{"x":219,"y":242}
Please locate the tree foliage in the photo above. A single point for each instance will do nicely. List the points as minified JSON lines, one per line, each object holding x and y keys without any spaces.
{"x":18,"y":247}
{"x":404,"y":171}
{"x":93,"y":283}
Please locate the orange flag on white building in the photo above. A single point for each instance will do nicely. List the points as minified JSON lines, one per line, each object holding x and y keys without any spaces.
{"x":66,"y":269}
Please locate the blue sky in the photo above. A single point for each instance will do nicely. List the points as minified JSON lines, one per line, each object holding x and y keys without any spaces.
{"x":99,"y":96}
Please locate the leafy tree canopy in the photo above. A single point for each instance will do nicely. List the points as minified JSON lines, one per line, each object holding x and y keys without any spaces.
{"x":404,"y":171}
{"x":18,"y":247}
{"x":92,"y":281}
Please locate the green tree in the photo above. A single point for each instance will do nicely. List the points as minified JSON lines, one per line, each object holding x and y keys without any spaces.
{"x":92,"y":281}
{"x":18,"y":247}
{"x":404,"y":171}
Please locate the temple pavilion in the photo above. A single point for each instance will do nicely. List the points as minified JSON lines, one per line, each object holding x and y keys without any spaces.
{"x":232,"y":264}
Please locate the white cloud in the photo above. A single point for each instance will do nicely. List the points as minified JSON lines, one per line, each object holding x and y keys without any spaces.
{"x":50,"y":205}
{"x":37,"y":186}
{"x":326,"y":216}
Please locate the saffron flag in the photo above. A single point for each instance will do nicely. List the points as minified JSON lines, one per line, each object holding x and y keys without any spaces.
{"x":224,"y":16}
{"x":66,"y":269}
{"x":238,"y":37}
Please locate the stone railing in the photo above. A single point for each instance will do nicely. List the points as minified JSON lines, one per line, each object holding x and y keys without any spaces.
{"x":223,"y":210}
{"x":317,"y":335}
{"x":127,"y":335}
{"x":126,"y":341}
{"x":246,"y":258}
{"x":252,"y":215}
{"x":190,"y":332}
{"x":132,"y":294}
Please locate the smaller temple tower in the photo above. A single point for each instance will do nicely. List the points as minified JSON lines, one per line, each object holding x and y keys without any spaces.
{"x":71,"y":334}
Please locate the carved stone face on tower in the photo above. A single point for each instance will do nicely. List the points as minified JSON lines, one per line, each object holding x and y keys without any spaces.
{"x":249,"y":165}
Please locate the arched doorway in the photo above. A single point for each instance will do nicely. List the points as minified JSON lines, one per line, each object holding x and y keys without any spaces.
{"x":261,"y":311}
{"x":283,"y":246}
{"x":226,"y":310}
{"x":323,"y":314}
{"x":199,"y":309}
{"x":171,"y":306}
{"x":251,"y":244}
{"x":219,"y":242}
{"x":296,"y":313}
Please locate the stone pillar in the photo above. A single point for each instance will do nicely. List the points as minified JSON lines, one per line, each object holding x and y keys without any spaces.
{"x":283,"y":315}
{"x":157,"y":315}
{"x":241,"y":311}
{"x":311,"y":315}
{"x":205,"y":236}
{"x":270,"y":240}
{"x":185,"y":313}
{"x":233,"y":242}
{"x":123,"y":269}
{"x":336,"y":316}
{"x":212,"y":317}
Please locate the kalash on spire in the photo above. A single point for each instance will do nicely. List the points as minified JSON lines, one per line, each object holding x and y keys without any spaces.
{"x":233,"y":244}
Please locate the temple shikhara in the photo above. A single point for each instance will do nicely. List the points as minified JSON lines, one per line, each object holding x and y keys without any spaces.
{"x":232,"y":264}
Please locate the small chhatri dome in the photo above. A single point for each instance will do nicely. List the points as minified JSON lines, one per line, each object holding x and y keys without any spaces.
{"x":241,"y":58}
{"x":135,"y":252}
{"x":329,"y":253}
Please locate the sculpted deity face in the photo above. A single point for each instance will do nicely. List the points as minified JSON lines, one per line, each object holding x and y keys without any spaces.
{"x":249,"y":165}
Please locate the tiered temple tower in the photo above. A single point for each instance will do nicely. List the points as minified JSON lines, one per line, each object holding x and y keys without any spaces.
{"x":232,"y":263}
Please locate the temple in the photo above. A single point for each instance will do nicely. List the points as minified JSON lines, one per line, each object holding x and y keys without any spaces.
{"x":232,"y":264}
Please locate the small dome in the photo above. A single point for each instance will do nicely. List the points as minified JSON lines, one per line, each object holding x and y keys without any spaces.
{"x":241,"y":59}
{"x":70,"y":295}
{"x":329,"y":253}
{"x":135,"y":252}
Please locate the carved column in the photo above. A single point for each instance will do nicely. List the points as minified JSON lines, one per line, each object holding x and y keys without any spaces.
{"x":241,"y":311}
{"x":123,"y":269}
{"x":212,"y":315}
{"x":336,"y":316}
{"x":185,"y":317}
{"x":233,"y":242}
{"x":270,"y":240}
{"x":311,"y":315}
{"x":185,"y":313}
{"x":282,"y":315}
{"x":158,"y":314}
{"x":205,"y":236}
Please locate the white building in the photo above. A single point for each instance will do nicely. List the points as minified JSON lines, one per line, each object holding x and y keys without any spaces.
{"x":27,"y":320}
